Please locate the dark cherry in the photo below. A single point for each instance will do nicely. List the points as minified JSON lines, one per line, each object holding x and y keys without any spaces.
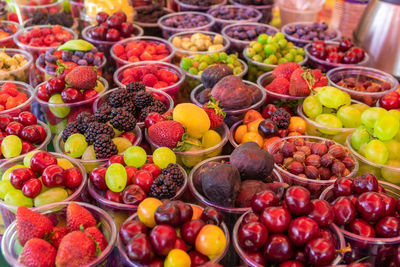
{"x":300,"y":256}
{"x":113,"y":35}
{"x":288,"y":149}
{"x":157,"y":262}
{"x":276,"y":219}
{"x":397,"y":256}
{"x":168,"y":214}
{"x":130,"y":229}
{"x":211,"y":215}
{"x":359,"y":264}
{"x":350,"y":58}
{"x":318,"y":52}
{"x":98,"y":33}
{"x":55,"y":85}
{"x":343,"y":187}
{"x":390,"y":204}
{"x":54,"y":176}
{"x":32,"y":188}
{"x":114,"y":21}
{"x":153,"y":118}
{"x":73,"y":178}
{"x":264,"y":199}
{"x":162,"y":238}
{"x":27,"y":118}
{"x":189,"y":230}
{"x":267,"y":128}
{"x":344,"y":45}
{"x":180,"y":244}
{"x":113,"y":196}
{"x":121,"y":15}
{"x":14,"y":128}
{"x":344,"y":210}
{"x":116,"y":159}
{"x":185,"y":210}
{"x":101,"y":17}
{"x":30,"y":134}
{"x":388,"y":227}
{"x":327,"y":234}
{"x":144,"y":179}
{"x":333,"y":58}
{"x":278,"y":248}
{"x":252,"y":236}
{"x":98,"y":177}
{"x":133,"y":195}
{"x":257,"y":257}
{"x":19,"y":176}
{"x":41,"y":160}
{"x":291,"y":264}
{"x":152,"y":168}
{"x":365,"y":183}
{"x":126,"y":29}
{"x":301,"y":230}
{"x":42,"y":131}
{"x":4,"y":121}
{"x":71,"y":95}
{"x":130,"y":173}
{"x":298,"y":201}
{"x":139,"y":249}
{"x":361,"y":227}
{"x":360,"y":54}
{"x":250,"y":217}
{"x":197,"y":259}
{"x":320,"y":251}
{"x":370,"y":206}
{"x":321,"y":212}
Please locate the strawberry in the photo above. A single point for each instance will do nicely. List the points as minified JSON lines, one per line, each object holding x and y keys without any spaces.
{"x":38,"y":253}
{"x":279,"y":86}
{"x":77,"y":216}
{"x":301,"y":82}
{"x":31,"y":224}
{"x":166,"y":133}
{"x":285,"y":70}
{"x":215,"y":113}
{"x":97,"y":236}
{"x":75,"y":249}
{"x":82,"y":77}
{"x":57,"y":235}
{"x":321,"y":80}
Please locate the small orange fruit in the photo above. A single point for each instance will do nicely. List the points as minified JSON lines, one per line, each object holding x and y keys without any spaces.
{"x":253,"y":137}
{"x":269,"y":141}
{"x":197,"y":211}
{"x":240,"y":132}
{"x":297,"y":124}
{"x":250,"y":116}
{"x":210,"y":241}
{"x":253,"y":126}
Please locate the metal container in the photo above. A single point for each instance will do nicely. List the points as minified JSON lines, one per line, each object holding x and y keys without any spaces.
{"x":378,"y":32}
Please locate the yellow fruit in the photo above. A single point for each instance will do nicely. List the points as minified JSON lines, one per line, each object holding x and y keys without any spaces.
{"x":240,"y":132}
{"x":253,"y":137}
{"x":177,"y":258}
{"x":194,"y":118}
{"x":64,"y":163}
{"x":146,"y":211}
{"x":210,"y":241}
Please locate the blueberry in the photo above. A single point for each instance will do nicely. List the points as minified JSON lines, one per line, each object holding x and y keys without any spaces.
{"x":50,"y":68}
{"x":42,"y":62}
{"x":66,"y":56}
{"x":251,"y":34}
{"x":82,"y":62}
{"x":50,"y":58}
{"x":94,"y":50}
{"x":79,"y":54}
{"x":75,"y":59}
{"x":97,"y":61}
{"x":88,"y":57}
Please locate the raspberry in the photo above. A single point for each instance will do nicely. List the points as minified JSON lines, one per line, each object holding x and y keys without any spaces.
{"x":149,"y":80}
{"x":119,"y":50}
{"x":135,"y":73}
{"x":160,"y":84}
{"x":168,"y":77}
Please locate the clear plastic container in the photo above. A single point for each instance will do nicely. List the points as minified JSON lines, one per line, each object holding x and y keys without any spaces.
{"x":221,"y":23}
{"x":180,"y":53}
{"x":340,"y":244}
{"x":169,"y":31}
{"x":7,"y":211}
{"x":10,"y":246}
{"x":120,"y":211}
{"x":187,"y":7}
{"x":172,"y":90}
{"x":27,"y":11}
{"x":127,"y":262}
{"x":325,"y":66}
{"x":238,"y":45}
{"x":265,"y":10}
{"x":37,"y":50}
{"x":300,"y":42}
{"x":232,"y":115}
{"x":275,"y":176}
{"x":290,"y":14}
{"x":232,"y":132}
{"x":315,"y":129}
{"x":148,"y":39}
{"x":150,"y":28}
{"x":89,"y":165}
{"x":76,"y":7}
{"x":376,"y":76}
{"x":189,"y":159}
{"x":22,"y":73}
{"x":67,"y":111}
{"x":26,"y":106}
{"x":74,"y":26}
{"x":9,"y":42}
{"x":377,"y":251}
{"x":314,"y":186}
{"x":381,"y":171}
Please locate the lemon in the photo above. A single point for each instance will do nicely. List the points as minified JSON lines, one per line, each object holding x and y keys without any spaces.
{"x":194,"y":118}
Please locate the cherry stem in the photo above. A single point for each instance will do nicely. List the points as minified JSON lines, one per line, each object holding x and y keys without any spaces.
{"x":344,"y":250}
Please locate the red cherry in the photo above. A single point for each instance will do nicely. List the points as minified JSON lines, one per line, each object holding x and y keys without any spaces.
{"x":153,"y":118}
{"x":30,"y":134}
{"x":190,"y":229}
{"x":26,"y":147}
{"x":361,"y":227}
{"x":73,"y":178}
{"x":19,"y":176}
{"x":53,"y":176}
{"x":197,"y":259}
{"x":180,"y":244}
{"x":32,"y":188}
{"x":42,"y":93}
{"x":162,"y":238}
{"x":42,"y":132}
{"x":98,"y":178}
{"x":264,"y":199}
{"x":321,"y":212}
{"x":89,"y":94}
{"x":252,"y":236}
{"x":41,"y":160}
{"x":344,"y":210}
{"x":55,"y":85}
{"x":4,"y":121}
{"x":27,"y":118}
{"x":152,"y":168}
{"x":297,"y":199}
{"x":320,"y":251}
{"x":390,"y":100}
{"x":14,"y":128}
{"x":130,"y":171}
{"x":144,"y":179}
{"x":131,"y":228}
{"x":370,"y":206}
{"x":113,"y":196}
{"x":130,"y":136}
{"x":388,"y":227}
{"x":278,"y":248}
{"x":71,"y":95}
{"x":301,"y":230}
{"x":116,"y":159}
{"x":276,"y":219}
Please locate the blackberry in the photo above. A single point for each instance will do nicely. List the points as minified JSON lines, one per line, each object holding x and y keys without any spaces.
{"x":163,"y":187}
{"x":142,"y":100}
{"x":154,"y":108}
{"x":134,"y":87}
{"x":83,"y":119}
{"x":118,"y":98}
{"x":104,"y":147}
{"x":158,"y":103}
{"x":96,"y":128}
{"x":281,"y":118}
{"x":174,"y":172}
{"x":103,"y":113}
{"x":122,"y":120}
{"x":130,"y":107}
{"x":70,"y":129}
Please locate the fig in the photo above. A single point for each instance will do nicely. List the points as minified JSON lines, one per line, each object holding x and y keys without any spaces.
{"x":213,"y":74}
{"x":247,"y":190}
{"x":204,"y":96}
{"x":232,"y":93}
{"x":221,"y":184}
{"x":197,"y":178}
{"x":252,"y":162}
{"x":255,"y":93}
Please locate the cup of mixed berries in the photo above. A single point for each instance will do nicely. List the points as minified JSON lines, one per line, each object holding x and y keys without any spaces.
{"x":29,"y":7}
{"x":60,"y":234}
{"x":8,"y":29}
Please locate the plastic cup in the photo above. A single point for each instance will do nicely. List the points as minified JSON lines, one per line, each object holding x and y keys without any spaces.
{"x":150,"y":28}
{"x":232,"y":115}
{"x":314,"y":186}
{"x":26,"y":106}
{"x":169,"y":31}
{"x":74,"y":26}
{"x":172,"y":90}
{"x":315,"y":129}
{"x":76,"y":8}
{"x":67,"y":111}
{"x":325,"y":66}
{"x":300,"y":42}
{"x":221,"y":23}
{"x":265,"y":10}
{"x":340,"y":244}
{"x":377,"y":251}
{"x":7,"y":211}
{"x":37,"y":50}
{"x":290,"y":14}
{"x":187,"y":7}
{"x":9,"y":42}
{"x":22,"y":73}
{"x":27,"y":11}
{"x":376,"y":76}
{"x":10,"y":244}
{"x":275,"y":176}
{"x":232,"y":131}
{"x":127,"y":262}
{"x":189,"y":159}
{"x":148,"y":39}
{"x":239,"y":45}
{"x":381,"y":171}
{"x":120,"y":211}
{"x":89,"y":165}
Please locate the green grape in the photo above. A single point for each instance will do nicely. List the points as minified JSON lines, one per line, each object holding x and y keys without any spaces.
{"x":163,"y":156}
{"x":395,"y":113}
{"x":5,"y":187}
{"x":393,"y":148}
{"x":16,"y":198}
{"x":359,"y":137}
{"x":290,"y":45}
{"x":192,"y":160}
{"x":282,"y":60}
{"x":269,"y":49}
{"x":60,"y":111}
{"x":363,"y":147}
{"x":135,"y":156}
{"x":300,"y":51}
{"x":186,"y":63}
{"x":258,"y":47}
{"x":390,"y":175}
{"x":326,"y":110}
{"x":203,"y":65}
{"x":122,"y":144}
{"x":215,"y":57}
{"x":51,"y":195}
{"x":350,"y":116}
{"x":223,"y":56}
{"x":360,"y":107}
{"x":282,"y":43}
{"x":75,"y":145}
{"x":262,"y":38}
{"x":328,"y":120}
{"x":64,"y":163}
{"x":193,"y":71}
{"x":386,"y":127}
{"x":6,"y":174}
{"x":369,"y":116}
{"x":196,"y":57}
{"x":11,"y":146}
{"x":298,"y":59}
{"x":59,"y":127}
{"x":347,"y":98}
{"x":331,"y":97}
{"x":273,"y":59}
{"x":279,"y":36}
{"x":257,"y":58}
{"x":237,"y":70}
{"x":289,"y":57}
{"x":27,"y":158}
{"x":311,"y":107}
{"x":377,"y":152}
{"x":116,"y":177}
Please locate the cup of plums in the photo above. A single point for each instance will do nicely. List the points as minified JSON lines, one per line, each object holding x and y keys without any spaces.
{"x":265,"y":7}
{"x":39,"y":178}
{"x":366,"y":210}
{"x":187,"y":5}
{"x":312,"y":162}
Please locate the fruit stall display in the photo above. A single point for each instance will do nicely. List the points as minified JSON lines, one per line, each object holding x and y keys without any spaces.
{"x":115,"y":119}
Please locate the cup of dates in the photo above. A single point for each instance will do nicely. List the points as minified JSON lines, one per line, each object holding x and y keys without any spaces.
{"x":200,"y":6}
